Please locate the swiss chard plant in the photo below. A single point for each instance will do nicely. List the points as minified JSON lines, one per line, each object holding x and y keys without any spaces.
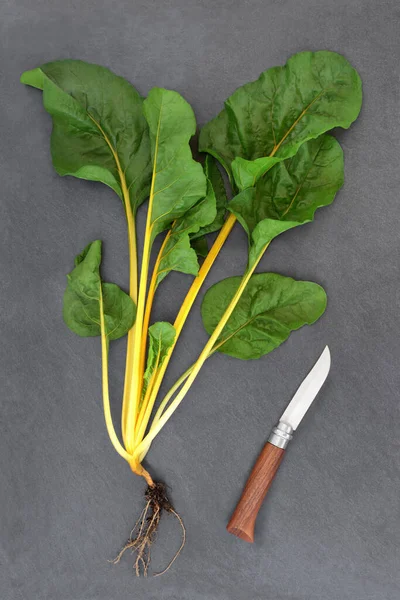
{"x":271,"y":139}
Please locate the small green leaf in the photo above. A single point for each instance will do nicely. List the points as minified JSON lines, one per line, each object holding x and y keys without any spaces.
{"x":200,"y":246}
{"x":99,"y":131}
{"x":81,"y":309}
{"x":161,"y":338}
{"x":178,"y":181}
{"x":271,"y":307}
{"x":246,"y":173}
{"x":216,"y":181}
{"x":290,"y":193}
{"x":313,"y":93}
{"x":178,"y":254}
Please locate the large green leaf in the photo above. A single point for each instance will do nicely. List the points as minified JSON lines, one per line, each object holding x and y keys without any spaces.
{"x":290,"y":193}
{"x":81,"y":309}
{"x":99,"y":131}
{"x":161,"y":338}
{"x":271,"y":307}
{"x":285,"y":107}
{"x":178,"y":181}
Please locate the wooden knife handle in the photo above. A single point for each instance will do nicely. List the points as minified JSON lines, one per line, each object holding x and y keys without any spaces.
{"x":244,"y":517}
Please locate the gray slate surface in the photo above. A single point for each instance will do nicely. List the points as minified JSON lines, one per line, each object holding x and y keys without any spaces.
{"x":329,"y":530}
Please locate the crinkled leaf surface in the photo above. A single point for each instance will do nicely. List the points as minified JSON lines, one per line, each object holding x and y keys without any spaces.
{"x":99,"y":130}
{"x":285,"y":107}
{"x":290,"y":193}
{"x":178,"y":181}
{"x":81,"y":308}
{"x":271,"y":307}
{"x":161,"y":338}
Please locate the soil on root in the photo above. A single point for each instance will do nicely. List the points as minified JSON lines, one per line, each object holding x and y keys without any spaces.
{"x":144,"y":531}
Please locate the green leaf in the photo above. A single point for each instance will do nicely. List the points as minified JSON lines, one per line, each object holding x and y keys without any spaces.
{"x":271,"y":307}
{"x":200,"y":246}
{"x":161,"y":338}
{"x":216,"y":181}
{"x":81,"y":309}
{"x":99,"y":131}
{"x":178,"y":181}
{"x":246,"y":173}
{"x":178,"y":254}
{"x":290,"y":193}
{"x":285,"y":107}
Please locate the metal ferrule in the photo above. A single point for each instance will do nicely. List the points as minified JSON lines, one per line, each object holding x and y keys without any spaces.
{"x":281,"y":435}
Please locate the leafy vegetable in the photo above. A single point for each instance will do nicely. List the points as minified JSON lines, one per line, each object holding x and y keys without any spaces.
{"x":271,"y":140}
{"x":291,"y":190}
{"x":273,"y":116}
{"x":178,"y":182}
{"x":82,"y":299}
{"x":271,"y":307}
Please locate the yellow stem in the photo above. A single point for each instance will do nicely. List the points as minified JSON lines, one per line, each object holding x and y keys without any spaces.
{"x":181,"y":319}
{"x":165,"y":401}
{"x":133,"y":276}
{"x":146,"y":318}
{"x":133,"y":294}
{"x":106,"y":397}
{"x":136,"y":376}
{"x":144,"y":444}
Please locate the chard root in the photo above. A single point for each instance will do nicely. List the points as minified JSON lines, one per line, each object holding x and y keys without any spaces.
{"x":145,"y":529}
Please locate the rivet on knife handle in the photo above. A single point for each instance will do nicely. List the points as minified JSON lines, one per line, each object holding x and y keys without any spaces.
{"x":244,"y":517}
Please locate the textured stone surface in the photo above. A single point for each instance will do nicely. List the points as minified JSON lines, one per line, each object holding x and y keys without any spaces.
{"x":329,"y":529}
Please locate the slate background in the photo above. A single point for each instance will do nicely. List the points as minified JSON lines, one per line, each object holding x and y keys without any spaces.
{"x":329,"y":530}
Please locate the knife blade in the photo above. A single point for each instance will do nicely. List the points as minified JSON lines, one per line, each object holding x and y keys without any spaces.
{"x":308,"y":390}
{"x":243,"y":519}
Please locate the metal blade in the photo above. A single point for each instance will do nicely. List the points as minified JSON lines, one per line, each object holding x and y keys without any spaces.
{"x":307,"y":391}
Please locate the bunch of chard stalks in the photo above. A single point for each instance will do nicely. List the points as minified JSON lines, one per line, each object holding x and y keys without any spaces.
{"x":271,"y":139}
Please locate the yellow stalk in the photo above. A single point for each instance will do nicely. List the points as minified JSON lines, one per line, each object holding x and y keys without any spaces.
{"x":133,"y":295}
{"x":165,"y":401}
{"x":106,"y":397}
{"x":136,"y":375}
{"x":133,"y":277}
{"x":180,"y":321}
{"x":144,"y":444}
{"x":147,"y":315}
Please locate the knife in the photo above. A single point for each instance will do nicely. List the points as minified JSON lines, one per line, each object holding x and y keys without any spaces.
{"x":244,"y":517}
